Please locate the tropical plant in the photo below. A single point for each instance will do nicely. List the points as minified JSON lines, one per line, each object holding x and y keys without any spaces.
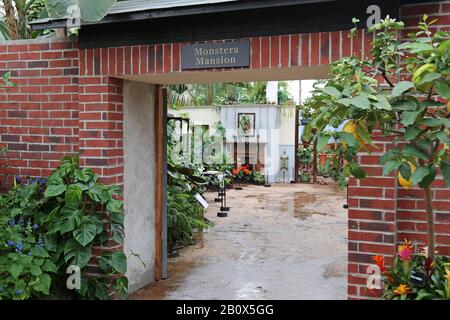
{"x":184,"y":215}
{"x":413,"y":114}
{"x":26,"y":268}
{"x":79,"y":213}
{"x":14,"y":24}
{"x":305,"y":154}
{"x":415,"y":276}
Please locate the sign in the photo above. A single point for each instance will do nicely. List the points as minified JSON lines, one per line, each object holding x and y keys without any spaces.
{"x":418,"y":278}
{"x":215,"y":55}
{"x":201,"y":200}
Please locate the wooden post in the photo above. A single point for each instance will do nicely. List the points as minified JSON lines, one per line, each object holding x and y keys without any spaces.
{"x":296,"y":144}
{"x":159,"y":180}
{"x":314,"y":131}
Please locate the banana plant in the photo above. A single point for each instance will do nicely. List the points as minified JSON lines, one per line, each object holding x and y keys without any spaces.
{"x":90,"y":10}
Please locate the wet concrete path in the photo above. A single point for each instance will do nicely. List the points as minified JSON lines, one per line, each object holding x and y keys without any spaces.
{"x":284,"y":242}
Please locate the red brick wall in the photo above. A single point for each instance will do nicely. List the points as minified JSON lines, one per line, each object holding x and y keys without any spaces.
{"x":38,"y":118}
{"x":69,"y":100}
{"x":381,"y":214}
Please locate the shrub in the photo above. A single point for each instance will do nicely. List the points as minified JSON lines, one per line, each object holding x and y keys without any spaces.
{"x":184,"y":214}
{"x":43,"y":233}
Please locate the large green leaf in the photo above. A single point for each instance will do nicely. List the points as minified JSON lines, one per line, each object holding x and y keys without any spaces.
{"x":69,"y":220}
{"x":43,"y":283}
{"x":90,"y":10}
{"x":54,"y":190}
{"x":76,"y":254}
{"x":117,"y":261}
{"x":73,"y":196}
{"x":360,"y":101}
{"x":322,"y":141}
{"x":85,"y":233}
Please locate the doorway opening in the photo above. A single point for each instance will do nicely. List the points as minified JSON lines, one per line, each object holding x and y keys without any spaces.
{"x":277,"y":235}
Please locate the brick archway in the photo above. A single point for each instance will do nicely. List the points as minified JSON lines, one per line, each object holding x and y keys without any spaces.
{"x":71,"y":100}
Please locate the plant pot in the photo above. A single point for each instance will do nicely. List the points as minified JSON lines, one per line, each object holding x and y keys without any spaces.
{"x":305,"y":179}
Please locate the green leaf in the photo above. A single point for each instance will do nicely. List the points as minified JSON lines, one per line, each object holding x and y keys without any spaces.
{"x":101,"y":292}
{"x":402,"y":87}
{"x":428,"y":179}
{"x":443,"y":137}
{"x":431,"y":122}
{"x":117,"y":260}
{"x":405,"y":105}
{"x":420,"y":174}
{"x":90,"y":10}
{"x":358,"y":172}
{"x":443,"y":89}
{"x":408,"y":117}
{"x":73,"y":196}
{"x":54,"y":190}
{"x":411,"y":151}
{"x":43,"y":284}
{"x":49,"y":266}
{"x":429,"y":77}
{"x":349,"y":139}
{"x":85,"y":233}
{"x":390,"y":166}
{"x":360,"y":101}
{"x":411,"y":132}
{"x":382,"y":103}
{"x":16,"y":270}
{"x":69,"y":220}
{"x":76,"y":254}
{"x":332,"y":91}
{"x":35,"y":270}
{"x":117,"y":231}
{"x":445,"y":168}
{"x":322,"y":141}
{"x":114,"y":205}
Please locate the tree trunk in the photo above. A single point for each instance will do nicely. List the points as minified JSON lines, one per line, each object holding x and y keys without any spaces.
{"x":430,"y":223}
{"x":11,"y":21}
{"x":315,"y":156}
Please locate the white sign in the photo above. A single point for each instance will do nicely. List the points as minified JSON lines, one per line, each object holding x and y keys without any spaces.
{"x":202,"y":201}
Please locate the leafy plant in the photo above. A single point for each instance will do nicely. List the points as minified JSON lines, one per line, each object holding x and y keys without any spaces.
{"x":26,"y":268}
{"x":79,"y":213}
{"x":305,"y":154}
{"x":415,"y":276}
{"x":184,"y":214}
{"x":413,"y":114}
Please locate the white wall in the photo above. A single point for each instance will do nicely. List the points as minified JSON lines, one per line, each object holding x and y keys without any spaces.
{"x":200,"y":115}
{"x":139,"y":182}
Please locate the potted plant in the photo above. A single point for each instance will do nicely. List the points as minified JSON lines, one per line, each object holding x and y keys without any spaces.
{"x":305,"y":177}
{"x":305,"y":155}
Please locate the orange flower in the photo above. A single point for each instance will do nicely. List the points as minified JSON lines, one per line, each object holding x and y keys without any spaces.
{"x":246,"y":171}
{"x":380,"y":263}
{"x":405,"y":251}
{"x":235,"y":171}
{"x":402,"y":289}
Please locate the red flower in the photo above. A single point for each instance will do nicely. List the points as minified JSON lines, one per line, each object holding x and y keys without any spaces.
{"x":405,"y":251}
{"x":235,"y":171}
{"x":246,"y":171}
{"x":380,"y":263}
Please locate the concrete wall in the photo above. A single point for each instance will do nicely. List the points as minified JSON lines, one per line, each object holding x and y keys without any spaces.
{"x":200,"y":115}
{"x":139,"y":181}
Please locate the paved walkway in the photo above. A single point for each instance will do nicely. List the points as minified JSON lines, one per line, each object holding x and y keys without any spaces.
{"x":284,"y":242}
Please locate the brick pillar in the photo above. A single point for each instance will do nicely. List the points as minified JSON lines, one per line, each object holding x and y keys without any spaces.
{"x":100,"y":128}
{"x":380,"y":214}
{"x":371,"y":224}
